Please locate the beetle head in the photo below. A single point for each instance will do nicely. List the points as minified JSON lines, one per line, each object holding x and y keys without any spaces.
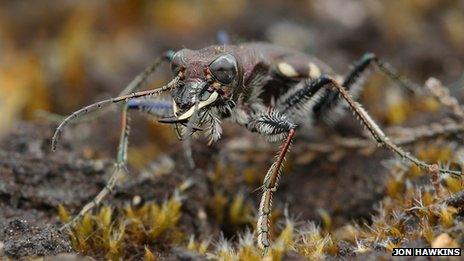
{"x":209,"y":78}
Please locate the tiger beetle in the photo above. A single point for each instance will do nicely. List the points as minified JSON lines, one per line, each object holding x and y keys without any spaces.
{"x":265,"y":88}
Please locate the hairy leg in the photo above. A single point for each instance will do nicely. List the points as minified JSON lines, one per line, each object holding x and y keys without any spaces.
{"x":328,"y":104}
{"x":279,"y":127}
{"x":141,"y":79}
{"x":152,"y":108}
{"x":298,"y":101}
{"x":304,"y":99}
{"x":373,"y":128}
{"x":119,"y":169}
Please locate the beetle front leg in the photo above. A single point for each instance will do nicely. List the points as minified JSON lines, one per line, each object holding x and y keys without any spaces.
{"x":275,"y":125}
{"x":151,"y":107}
{"x":119,"y":169}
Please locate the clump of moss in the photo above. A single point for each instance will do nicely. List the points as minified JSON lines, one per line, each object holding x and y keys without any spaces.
{"x":412,"y":213}
{"x":246,"y":249}
{"x":116,"y":234}
{"x":307,"y":241}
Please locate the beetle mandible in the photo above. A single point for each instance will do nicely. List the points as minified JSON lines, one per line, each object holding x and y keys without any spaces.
{"x":265,"y":88}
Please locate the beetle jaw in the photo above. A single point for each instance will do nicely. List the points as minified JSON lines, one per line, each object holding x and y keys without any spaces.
{"x":202,"y":104}
{"x":183,"y":115}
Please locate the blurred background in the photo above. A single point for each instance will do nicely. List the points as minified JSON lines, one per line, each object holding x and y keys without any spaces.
{"x":59,"y":55}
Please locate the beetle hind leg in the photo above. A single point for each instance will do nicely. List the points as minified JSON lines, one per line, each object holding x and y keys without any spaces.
{"x":376,"y":132}
{"x":331,"y":105}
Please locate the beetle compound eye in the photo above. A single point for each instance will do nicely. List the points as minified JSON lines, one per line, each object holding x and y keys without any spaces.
{"x":224,"y":68}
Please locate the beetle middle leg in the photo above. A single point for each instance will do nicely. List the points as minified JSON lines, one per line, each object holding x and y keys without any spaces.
{"x":154,"y":108}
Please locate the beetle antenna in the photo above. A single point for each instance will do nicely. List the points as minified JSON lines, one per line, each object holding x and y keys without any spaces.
{"x":101,"y":104}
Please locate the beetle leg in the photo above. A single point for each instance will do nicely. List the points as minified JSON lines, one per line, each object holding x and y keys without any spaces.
{"x":154,"y":108}
{"x":141,"y":79}
{"x":373,"y":128}
{"x":126,"y":94}
{"x":271,"y":124}
{"x":298,"y":103}
{"x":328,"y":104}
{"x":135,"y":84}
{"x":298,"y":98}
{"x":119,"y":169}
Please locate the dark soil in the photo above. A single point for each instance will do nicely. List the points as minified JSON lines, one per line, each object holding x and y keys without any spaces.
{"x":21,"y":239}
